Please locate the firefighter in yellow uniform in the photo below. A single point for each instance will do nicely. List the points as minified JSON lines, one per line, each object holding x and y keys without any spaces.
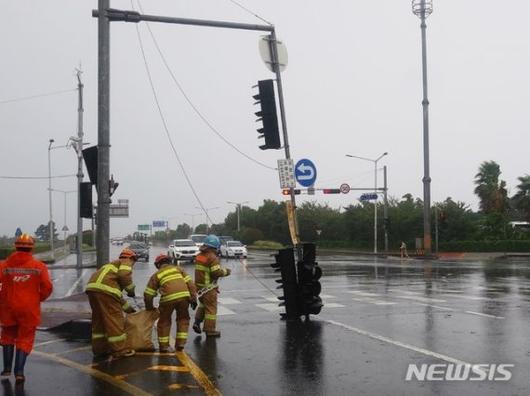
{"x":207,"y":271}
{"x":177,"y":292}
{"x":104,"y":291}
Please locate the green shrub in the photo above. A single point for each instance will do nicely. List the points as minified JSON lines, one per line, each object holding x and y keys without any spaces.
{"x":267,"y":245}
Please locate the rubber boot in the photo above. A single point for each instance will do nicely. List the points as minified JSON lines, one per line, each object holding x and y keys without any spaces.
{"x":20,"y":362}
{"x":8,"y":351}
{"x":197,"y":327}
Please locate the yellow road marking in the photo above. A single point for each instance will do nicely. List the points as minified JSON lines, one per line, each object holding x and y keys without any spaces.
{"x":199,"y":375}
{"x":73,"y":350}
{"x":180,"y":369}
{"x":124,"y":386}
{"x":182,"y":386}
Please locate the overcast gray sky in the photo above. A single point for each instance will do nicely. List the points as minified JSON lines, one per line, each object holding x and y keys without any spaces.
{"x":353,"y":85}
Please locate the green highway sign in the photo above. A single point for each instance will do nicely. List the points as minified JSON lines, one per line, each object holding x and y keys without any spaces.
{"x":144,"y":227}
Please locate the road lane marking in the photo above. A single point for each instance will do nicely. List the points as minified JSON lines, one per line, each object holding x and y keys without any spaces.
{"x":363,"y":294}
{"x":224,"y":311}
{"x":50,"y":342}
{"x":182,"y":386}
{"x":228,"y":301}
{"x":326,"y":296}
{"x":421,"y":299}
{"x":198,"y":374}
{"x":372,"y":301}
{"x":74,"y":286}
{"x":398,"y":343}
{"x":270,"y":307}
{"x":333,"y":305}
{"x":86,"y":348}
{"x":436,"y":306}
{"x":177,"y":369}
{"x":122,"y":385}
{"x":474,"y":298}
{"x":485,"y":315}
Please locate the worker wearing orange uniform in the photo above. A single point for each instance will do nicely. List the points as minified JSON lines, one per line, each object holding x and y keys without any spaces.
{"x":207,"y":271}
{"x":104,"y":291}
{"x":177,"y":292}
{"x":25,"y":283}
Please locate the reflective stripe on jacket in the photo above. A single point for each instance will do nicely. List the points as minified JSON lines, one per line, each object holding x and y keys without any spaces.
{"x":172,"y":283}
{"x":207,"y":269}
{"x":111,"y":279}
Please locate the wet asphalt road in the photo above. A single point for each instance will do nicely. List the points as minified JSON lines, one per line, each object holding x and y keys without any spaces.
{"x":380,"y":315}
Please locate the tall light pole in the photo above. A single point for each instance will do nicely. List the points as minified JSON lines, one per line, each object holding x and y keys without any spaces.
{"x":422,"y":9}
{"x":206,"y":210}
{"x":65,"y":227}
{"x":238,"y":210}
{"x":375,"y":161}
{"x":192,"y":215}
{"x":50,"y":224}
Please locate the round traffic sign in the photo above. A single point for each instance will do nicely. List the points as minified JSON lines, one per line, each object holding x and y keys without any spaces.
{"x":344,"y":188}
{"x":305,"y":172}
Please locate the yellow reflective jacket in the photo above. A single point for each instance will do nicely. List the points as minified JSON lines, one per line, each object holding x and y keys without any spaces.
{"x":172,"y":283}
{"x":207,"y":269}
{"x":111,"y":279}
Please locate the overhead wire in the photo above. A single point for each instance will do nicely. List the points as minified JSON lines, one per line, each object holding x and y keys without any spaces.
{"x":36,"y":96}
{"x":192,"y":105}
{"x":250,"y":12}
{"x":164,"y":123}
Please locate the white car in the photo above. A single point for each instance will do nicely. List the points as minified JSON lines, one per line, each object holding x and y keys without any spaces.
{"x":233,"y":249}
{"x":182,"y":249}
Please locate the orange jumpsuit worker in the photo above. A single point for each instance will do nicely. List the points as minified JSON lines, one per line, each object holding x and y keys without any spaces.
{"x":177,"y":292}
{"x":25,"y":283}
{"x":104,"y":291}
{"x":207,"y":271}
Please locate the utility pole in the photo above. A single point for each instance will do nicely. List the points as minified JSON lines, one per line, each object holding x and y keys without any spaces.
{"x":79,"y":150}
{"x":50,"y":225}
{"x":385,"y":212}
{"x":238,"y":210}
{"x":103,"y":221}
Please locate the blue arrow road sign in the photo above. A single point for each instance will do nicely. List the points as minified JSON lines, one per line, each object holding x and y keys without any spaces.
{"x":305,"y":172}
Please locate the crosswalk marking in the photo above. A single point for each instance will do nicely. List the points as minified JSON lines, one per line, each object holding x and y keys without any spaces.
{"x":229,"y":301}
{"x":363,"y":294}
{"x":372,"y":301}
{"x":333,"y":305}
{"x":224,"y":311}
{"x":270,"y":307}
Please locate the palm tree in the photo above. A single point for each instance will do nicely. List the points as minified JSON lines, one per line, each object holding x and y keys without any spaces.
{"x":522,"y":197}
{"x":490,"y":190}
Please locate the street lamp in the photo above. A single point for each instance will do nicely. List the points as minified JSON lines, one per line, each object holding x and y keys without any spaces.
{"x":206,"y":210}
{"x":375,"y":190}
{"x":193,"y":220}
{"x":238,"y":210}
{"x":422,"y":9}
{"x":65,"y":227}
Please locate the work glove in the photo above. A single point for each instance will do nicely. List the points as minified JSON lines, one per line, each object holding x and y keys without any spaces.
{"x":130,"y":310}
{"x":193,"y":304}
{"x":228,"y":271}
{"x":131,"y":294}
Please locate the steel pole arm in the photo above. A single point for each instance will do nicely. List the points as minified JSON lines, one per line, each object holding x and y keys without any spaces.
{"x":135,"y":17}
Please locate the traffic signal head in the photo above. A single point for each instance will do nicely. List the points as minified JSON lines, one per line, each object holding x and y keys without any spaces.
{"x":309,"y":274}
{"x":267,"y":115}
{"x":286,"y":191}
{"x":331,"y":191}
{"x":90,"y":156}
{"x":284,"y":263}
{"x":86,"y":200}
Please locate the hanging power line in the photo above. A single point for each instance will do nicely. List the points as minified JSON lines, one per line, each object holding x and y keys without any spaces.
{"x":35,"y":177}
{"x":164,"y":123}
{"x":250,"y":11}
{"x":192,"y":105}
{"x":36,"y":96}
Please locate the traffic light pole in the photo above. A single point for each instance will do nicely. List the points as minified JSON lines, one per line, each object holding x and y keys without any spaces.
{"x":385,"y":209}
{"x":276,"y":64}
{"x":106,"y":15}
{"x":103,"y":220}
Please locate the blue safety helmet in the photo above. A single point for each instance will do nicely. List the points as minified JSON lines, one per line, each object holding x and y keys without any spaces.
{"x":212,"y":241}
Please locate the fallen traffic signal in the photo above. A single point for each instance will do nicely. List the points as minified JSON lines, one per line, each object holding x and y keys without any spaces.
{"x":284,"y":263}
{"x":270,"y":131}
{"x":309,"y":286}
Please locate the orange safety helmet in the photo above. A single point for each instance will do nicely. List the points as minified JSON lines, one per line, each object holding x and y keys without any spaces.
{"x":162,"y":259}
{"x":128,"y":254}
{"x":24,"y":241}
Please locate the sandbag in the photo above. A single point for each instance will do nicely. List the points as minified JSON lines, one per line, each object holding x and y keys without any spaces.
{"x":139,"y":329}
